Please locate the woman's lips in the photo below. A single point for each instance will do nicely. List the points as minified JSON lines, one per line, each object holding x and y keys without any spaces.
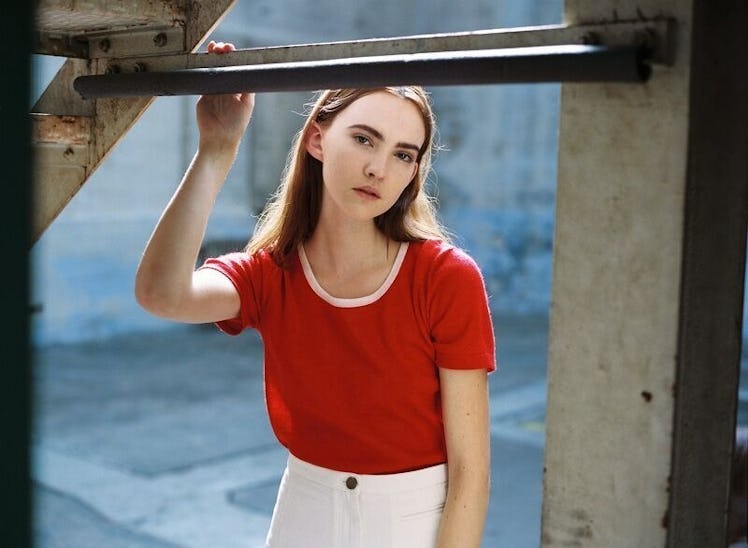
{"x":367,"y":192}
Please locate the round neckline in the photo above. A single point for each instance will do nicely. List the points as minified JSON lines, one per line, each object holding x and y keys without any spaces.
{"x":352,"y":302}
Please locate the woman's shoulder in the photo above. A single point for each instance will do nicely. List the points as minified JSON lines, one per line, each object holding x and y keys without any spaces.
{"x":442,"y":257}
{"x":244,"y":261}
{"x":448,"y":275}
{"x":443,"y":252}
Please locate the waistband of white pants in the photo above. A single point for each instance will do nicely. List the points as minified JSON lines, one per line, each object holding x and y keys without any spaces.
{"x":373,"y":483}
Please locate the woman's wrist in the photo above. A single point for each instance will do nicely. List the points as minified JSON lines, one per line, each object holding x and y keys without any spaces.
{"x":210,"y":165}
{"x":218,"y":153}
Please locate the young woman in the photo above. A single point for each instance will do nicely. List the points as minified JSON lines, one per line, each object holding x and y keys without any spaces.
{"x":376,"y":330}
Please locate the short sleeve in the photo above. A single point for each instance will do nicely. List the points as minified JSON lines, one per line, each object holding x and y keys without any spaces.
{"x":459,"y":314}
{"x":245,"y":272}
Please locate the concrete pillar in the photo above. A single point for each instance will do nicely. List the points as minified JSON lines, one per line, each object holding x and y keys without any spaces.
{"x":646,"y":308}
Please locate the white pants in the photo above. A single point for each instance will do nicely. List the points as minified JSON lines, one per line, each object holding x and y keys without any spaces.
{"x":322,"y":508}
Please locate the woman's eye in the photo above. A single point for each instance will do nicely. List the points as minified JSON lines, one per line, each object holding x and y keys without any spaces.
{"x":405,"y":157}
{"x":362,"y":139}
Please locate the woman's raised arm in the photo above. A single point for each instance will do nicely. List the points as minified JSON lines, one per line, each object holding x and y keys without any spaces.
{"x":166,"y":283}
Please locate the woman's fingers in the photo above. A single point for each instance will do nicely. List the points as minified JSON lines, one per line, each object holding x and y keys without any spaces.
{"x":220,"y":47}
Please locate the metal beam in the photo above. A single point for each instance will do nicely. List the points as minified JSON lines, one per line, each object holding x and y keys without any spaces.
{"x":60,"y":98}
{"x":152,"y":40}
{"x":657,"y":34}
{"x":61,"y":140}
{"x":712,"y":279}
{"x":73,"y":28}
{"x":534,"y":64}
{"x":56,"y":183}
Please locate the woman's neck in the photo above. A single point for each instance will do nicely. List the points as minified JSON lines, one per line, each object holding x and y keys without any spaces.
{"x":342,"y":248}
{"x":350,"y":261}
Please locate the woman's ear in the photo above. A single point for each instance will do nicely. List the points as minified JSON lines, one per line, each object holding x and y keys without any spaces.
{"x":313,"y":141}
{"x":414,"y":171}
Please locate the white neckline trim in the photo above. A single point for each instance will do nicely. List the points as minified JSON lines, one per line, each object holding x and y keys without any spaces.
{"x":356,"y":301}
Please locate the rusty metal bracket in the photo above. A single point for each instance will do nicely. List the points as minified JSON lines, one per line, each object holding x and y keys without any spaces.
{"x":136,"y":42}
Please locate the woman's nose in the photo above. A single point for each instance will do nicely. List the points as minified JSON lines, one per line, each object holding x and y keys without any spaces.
{"x":376,"y":167}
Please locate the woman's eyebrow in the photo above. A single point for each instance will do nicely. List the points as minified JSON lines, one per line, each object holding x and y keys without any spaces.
{"x":378,"y":135}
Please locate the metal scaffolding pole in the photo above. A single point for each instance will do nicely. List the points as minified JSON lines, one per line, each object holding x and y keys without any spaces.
{"x":563,"y":63}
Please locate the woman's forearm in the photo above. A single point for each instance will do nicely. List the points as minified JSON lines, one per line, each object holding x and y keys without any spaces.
{"x":166,"y":267}
{"x":465,"y":509}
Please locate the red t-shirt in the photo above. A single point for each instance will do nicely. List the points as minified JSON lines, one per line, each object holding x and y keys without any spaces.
{"x":353,"y":384}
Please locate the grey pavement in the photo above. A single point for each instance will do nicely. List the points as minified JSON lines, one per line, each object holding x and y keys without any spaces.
{"x":161,"y":439}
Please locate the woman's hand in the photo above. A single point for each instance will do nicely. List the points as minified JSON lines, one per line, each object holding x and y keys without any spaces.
{"x":223,"y":119}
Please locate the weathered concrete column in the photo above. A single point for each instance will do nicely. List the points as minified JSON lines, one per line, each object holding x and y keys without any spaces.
{"x":647,"y":290}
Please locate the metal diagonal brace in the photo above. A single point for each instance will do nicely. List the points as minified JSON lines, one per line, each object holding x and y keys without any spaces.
{"x":72,"y":137}
{"x":565,"y":63}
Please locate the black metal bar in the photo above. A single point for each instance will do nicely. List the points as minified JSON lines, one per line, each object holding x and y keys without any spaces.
{"x":568,"y":63}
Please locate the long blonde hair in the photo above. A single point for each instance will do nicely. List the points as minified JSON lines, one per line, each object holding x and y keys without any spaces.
{"x":291,"y":215}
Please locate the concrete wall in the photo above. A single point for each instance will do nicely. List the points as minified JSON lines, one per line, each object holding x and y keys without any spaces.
{"x":495,"y":177}
{"x":647,"y":284}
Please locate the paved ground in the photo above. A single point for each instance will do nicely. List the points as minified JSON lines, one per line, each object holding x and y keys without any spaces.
{"x":161,"y":440}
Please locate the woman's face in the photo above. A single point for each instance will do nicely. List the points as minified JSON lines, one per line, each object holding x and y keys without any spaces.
{"x":368,"y":154}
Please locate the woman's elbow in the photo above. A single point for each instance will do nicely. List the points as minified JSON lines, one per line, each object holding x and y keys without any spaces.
{"x":153,"y":297}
